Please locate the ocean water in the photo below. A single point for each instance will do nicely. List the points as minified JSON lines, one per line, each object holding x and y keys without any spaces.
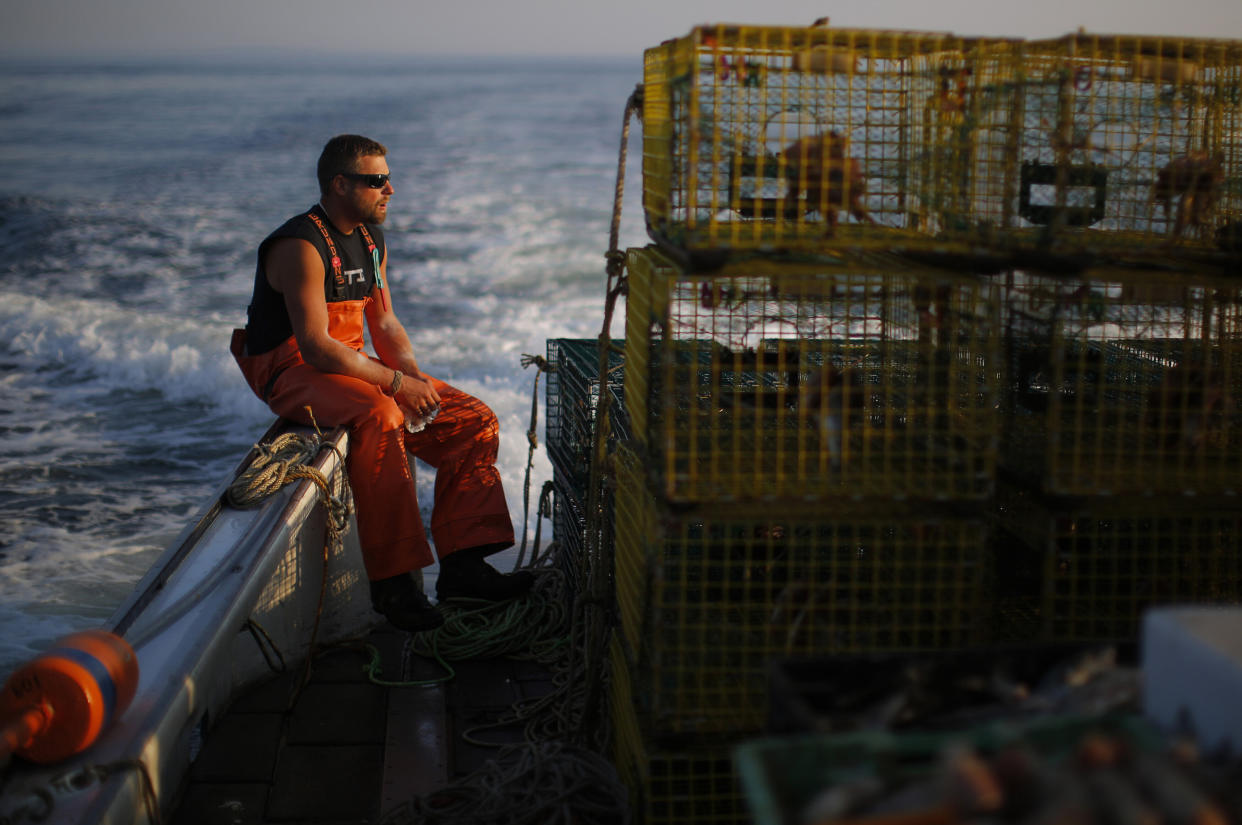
{"x":132,"y":198}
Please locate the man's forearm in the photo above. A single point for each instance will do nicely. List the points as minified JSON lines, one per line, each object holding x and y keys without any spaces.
{"x":394,"y":349}
{"x":337,"y":358}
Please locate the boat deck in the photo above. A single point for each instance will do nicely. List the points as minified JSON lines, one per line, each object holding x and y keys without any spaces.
{"x":349,"y":749}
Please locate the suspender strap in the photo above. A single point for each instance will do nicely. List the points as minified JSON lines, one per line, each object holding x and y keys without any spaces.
{"x":375,"y":259}
{"x":323,"y":230}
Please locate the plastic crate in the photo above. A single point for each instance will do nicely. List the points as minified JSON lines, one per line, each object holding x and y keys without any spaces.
{"x":572,"y":393}
{"x":1124,"y":382}
{"x":768,"y":380}
{"x":1130,"y":146}
{"x":783,"y":776}
{"x":780,"y":138}
{"x":1101,"y":562}
{"x":707,"y":597}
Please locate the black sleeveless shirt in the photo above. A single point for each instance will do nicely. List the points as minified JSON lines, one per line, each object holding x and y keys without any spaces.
{"x":268,"y":322}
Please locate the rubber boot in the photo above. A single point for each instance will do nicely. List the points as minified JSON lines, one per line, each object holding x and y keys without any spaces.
{"x":467,"y":575}
{"x":403,"y":603}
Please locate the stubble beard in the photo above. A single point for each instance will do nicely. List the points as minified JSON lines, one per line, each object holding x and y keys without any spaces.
{"x":375,"y":215}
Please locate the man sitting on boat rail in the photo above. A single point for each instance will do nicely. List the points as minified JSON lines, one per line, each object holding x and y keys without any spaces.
{"x":320,"y":276}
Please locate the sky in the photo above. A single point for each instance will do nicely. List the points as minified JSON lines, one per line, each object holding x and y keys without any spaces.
{"x":89,"y":28}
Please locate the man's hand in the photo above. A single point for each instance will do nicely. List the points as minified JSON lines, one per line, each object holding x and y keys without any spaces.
{"x":417,"y":396}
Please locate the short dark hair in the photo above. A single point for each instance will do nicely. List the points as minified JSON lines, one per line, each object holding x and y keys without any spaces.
{"x":341,"y":154}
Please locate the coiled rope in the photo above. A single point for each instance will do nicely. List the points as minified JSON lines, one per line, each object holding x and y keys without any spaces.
{"x":544,"y":778}
{"x":545,"y":783}
{"x":287,"y":459}
{"x":531,"y":627}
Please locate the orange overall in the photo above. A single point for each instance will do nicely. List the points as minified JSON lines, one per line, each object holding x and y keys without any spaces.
{"x":469,"y":508}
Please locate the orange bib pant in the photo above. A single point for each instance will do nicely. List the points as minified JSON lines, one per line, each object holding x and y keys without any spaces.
{"x":469,"y":507}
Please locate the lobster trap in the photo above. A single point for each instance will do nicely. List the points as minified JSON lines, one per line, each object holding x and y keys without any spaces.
{"x":780,"y":138}
{"x":708,"y":597}
{"x":1098,"y":564}
{"x":573,"y":394}
{"x":808,"y":138}
{"x":569,"y":531}
{"x":671,"y":782}
{"x":777,"y":380}
{"x":1123,"y":382}
{"x":1130,"y":146}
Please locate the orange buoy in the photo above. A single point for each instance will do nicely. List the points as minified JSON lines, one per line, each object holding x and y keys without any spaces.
{"x":59,"y":703}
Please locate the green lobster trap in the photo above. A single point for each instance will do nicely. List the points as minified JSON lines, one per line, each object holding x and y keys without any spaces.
{"x":572,"y":393}
{"x":1123,"y":382}
{"x":707,"y":597}
{"x":769,"y":380}
{"x":1096,"y":564}
{"x":762,"y":137}
{"x":1130,"y":146}
{"x":570,"y":526}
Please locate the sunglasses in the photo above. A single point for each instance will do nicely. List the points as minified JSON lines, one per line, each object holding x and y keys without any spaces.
{"x":373,"y":181}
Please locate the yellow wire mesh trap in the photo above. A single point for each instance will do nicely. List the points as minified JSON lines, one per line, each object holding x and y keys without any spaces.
{"x":761,"y":137}
{"x":1130,"y":144}
{"x":772,"y":380}
{"x":708,"y":597}
{"x":1123,"y":382}
{"x":812,"y":138}
{"x":1099,"y":563}
{"x":671,"y":782}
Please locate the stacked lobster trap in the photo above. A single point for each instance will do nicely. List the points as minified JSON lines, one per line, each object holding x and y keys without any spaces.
{"x":1121,"y":454}
{"x":857,"y":378}
{"x":573,"y":393}
{"x":1129,"y":146}
{"x":936,"y":347}
{"x":778,"y":138}
{"x":1124,"y":383}
{"x":811,"y":446}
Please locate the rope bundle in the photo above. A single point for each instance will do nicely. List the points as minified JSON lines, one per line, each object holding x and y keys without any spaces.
{"x":545,"y":783}
{"x":532,"y":627}
{"x":285,"y":460}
